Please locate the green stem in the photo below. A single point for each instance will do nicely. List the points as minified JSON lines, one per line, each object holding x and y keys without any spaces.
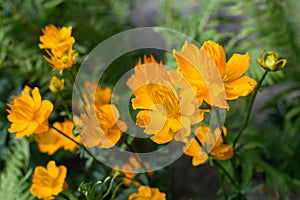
{"x":226,"y":173}
{"x":222,"y":185}
{"x":219,"y":165}
{"x":73,"y":77}
{"x":79,"y":144}
{"x":115,"y":191}
{"x":65,"y":105}
{"x":250,"y":105}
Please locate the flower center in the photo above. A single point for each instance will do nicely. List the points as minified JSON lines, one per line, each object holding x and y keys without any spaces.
{"x":46,"y":179}
{"x":164,"y":97}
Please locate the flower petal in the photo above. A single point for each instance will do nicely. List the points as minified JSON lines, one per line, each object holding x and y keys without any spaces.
{"x":239,"y":87}
{"x":52,"y":169}
{"x":142,"y":102}
{"x":197,"y":160}
{"x":164,"y":135}
{"x":236,"y":66}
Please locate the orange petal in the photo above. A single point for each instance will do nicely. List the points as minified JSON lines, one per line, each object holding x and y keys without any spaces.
{"x":240,"y":87}
{"x":197,"y":160}
{"x":36,"y":97}
{"x":41,"y":192}
{"x":236,"y":67}
{"x":217,"y":54}
{"x":156,"y":124}
{"x":143,"y":118}
{"x":164,"y":135}
{"x":52,"y":169}
{"x":192,"y":148}
{"x":142,"y":102}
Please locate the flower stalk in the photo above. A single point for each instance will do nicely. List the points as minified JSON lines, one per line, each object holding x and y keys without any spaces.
{"x":250,"y":105}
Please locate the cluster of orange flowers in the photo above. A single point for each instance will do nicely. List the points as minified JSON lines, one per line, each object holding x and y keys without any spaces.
{"x":58,"y":44}
{"x":168,"y":103}
{"x":29,"y":114}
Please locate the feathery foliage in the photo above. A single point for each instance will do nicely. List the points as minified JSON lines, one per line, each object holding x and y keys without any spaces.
{"x":15,"y":177}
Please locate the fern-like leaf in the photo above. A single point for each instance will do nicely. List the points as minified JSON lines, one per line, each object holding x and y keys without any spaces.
{"x":15,"y":177}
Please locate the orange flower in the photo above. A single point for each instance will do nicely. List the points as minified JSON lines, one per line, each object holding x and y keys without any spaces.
{"x":56,"y":84}
{"x":29,"y":114}
{"x":56,"y":39}
{"x":58,"y":45}
{"x":61,"y":60}
{"x":145,"y":192}
{"x":49,"y":181}
{"x":198,"y":66}
{"x":67,"y":127}
{"x":128,"y":170}
{"x":93,"y":91}
{"x":149,"y":70}
{"x":50,"y":141}
{"x":167,"y":102}
{"x":219,"y":150}
{"x":100,"y":126}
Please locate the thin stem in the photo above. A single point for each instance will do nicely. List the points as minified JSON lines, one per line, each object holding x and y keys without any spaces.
{"x":222,"y":185}
{"x":73,"y":77}
{"x":250,"y":105}
{"x":64,"y":105}
{"x":65,"y":135}
{"x":218,"y":164}
{"x":226,"y":173}
{"x":79,"y":144}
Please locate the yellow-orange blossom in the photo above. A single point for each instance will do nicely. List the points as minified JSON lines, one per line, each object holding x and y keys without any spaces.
{"x":196,"y":66}
{"x":51,"y":140}
{"x":58,"y":44}
{"x":167,"y":103}
{"x":147,"y":193}
{"x":49,"y":181}
{"x":29,"y":114}
{"x":219,"y":150}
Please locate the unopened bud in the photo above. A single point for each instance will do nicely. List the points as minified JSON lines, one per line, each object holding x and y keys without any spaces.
{"x":56,"y":84}
{"x":270,"y":61}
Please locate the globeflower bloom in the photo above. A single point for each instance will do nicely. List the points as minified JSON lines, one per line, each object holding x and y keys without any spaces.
{"x":100,"y":126}
{"x":145,"y":192}
{"x":219,"y":151}
{"x":29,"y":114}
{"x":99,"y":95}
{"x":50,"y":141}
{"x":168,"y":104}
{"x":58,"y":44}
{"x":56,"y":39}
{"x":48,"y":182}
{"x":198,"y":67}
{"x":128,"y":171}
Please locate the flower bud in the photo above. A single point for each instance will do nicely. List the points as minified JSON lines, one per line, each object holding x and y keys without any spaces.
{"x":56,"y":85}
{"x":270,"y":61}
